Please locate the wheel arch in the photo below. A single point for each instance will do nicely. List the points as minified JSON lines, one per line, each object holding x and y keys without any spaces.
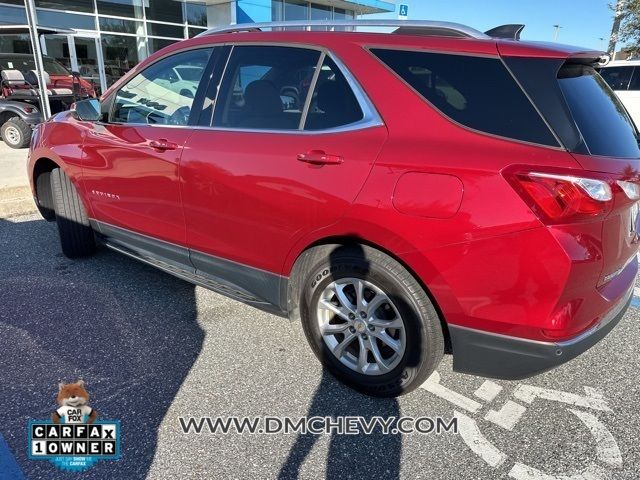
{"x":322,"y":247}
{"x":44,"y":199}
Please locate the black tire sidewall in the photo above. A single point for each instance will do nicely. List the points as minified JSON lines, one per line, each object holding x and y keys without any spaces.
{"x":22,"y":127}
{"x":411,"y":368}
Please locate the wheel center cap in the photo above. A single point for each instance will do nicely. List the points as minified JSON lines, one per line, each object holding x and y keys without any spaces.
{"x":360,"y":327}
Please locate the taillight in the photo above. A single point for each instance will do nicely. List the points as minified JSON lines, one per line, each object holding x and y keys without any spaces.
{"x":559,"y":198}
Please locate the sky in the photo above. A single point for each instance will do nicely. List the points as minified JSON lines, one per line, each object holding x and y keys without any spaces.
{"x":583,"y":22}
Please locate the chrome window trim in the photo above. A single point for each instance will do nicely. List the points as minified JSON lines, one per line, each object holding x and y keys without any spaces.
{"x":371,"y":118}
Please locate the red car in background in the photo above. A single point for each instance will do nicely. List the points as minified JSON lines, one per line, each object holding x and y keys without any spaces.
{"x":432,"y":190}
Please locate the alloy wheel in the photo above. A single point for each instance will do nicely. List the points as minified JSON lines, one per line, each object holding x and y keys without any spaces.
{"x":361,"y":326}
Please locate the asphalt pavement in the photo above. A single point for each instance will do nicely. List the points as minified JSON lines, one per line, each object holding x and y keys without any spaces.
{"x":153,"y":348}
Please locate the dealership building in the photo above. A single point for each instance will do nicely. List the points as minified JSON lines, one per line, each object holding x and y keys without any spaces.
{"x":103,"y":39}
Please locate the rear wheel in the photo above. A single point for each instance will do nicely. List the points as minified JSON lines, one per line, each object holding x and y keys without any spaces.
{"x":16,"y":133}
{"x":369,"y":321}
{"x":76,"y":236}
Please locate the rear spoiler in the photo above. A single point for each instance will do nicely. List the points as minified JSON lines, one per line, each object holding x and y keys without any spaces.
{"x":510,"y":31}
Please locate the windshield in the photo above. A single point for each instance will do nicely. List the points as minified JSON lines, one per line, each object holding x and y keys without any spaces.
{"x":51,"y":66}
{"x":601,"y":118}
{"x":190,"y":73}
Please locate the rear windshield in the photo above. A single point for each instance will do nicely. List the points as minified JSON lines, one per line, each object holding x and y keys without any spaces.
{"x":24,"y":64}
{"x":477,"y":92}
{"x":603,"y":122}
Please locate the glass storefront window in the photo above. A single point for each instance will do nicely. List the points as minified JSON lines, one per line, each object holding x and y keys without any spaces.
{"x":341,"y":14}
{"x":195,"y":31}
{"x":156,"y":44}
{"x":164,"y":10}
{"x":320,"y":12}
{"x":162,"y":30}
{"x":15,"y":44}
{"x":118,"y":25}
{"x":296,"y":10}
{"x":196,"y":14}
{"x":85,"y":6}
{"x":66,"y":20}
{"x":277,"y":12}
{"x":120,"y":8}
{"x":120,"y":55}
{"x":13,"y":15}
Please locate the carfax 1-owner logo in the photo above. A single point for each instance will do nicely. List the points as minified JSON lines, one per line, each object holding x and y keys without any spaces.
{"x":74,"y":438}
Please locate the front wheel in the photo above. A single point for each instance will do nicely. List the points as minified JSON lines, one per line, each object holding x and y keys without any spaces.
{"x":369,"y":321}
{"x":76,"y":236}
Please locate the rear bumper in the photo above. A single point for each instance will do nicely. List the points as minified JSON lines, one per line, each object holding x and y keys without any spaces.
{"x":510,"y":358}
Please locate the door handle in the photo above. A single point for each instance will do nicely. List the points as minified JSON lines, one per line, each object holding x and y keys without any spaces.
{"x":163,"y":144}
{"x":319,"y":157}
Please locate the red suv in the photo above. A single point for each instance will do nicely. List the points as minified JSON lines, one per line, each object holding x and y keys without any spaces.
{"x":404,"y":194}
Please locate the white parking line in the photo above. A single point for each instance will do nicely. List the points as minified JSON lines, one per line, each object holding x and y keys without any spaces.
{"x":606,"y":446}
{"x":593,"y":399}
{"x":433,"y":385}
{"x":507,"y":416}
{"x":477,"y":442}
{"x":488,"y":391}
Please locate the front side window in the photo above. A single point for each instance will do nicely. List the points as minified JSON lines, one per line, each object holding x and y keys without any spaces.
{"x":160,"y":95}
{"x":477,"y":92}
{"x":265,"y":88}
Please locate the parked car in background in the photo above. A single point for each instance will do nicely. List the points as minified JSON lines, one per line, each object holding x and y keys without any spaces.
{"x":432,"y":190}
{"x":20,"y":95}
{"x":623,"y":76}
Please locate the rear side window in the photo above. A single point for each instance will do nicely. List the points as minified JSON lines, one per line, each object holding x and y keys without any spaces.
{"x":599,"y":115}
{"x":334,"y":103}
{"x":265,"y":88}
{"x":476,"y":92}
{"x":618,"y":78}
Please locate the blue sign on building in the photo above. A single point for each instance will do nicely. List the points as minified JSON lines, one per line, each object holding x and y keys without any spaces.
{"x":404,"y":10}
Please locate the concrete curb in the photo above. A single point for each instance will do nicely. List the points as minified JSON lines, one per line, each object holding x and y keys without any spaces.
{"x":16,"y":201}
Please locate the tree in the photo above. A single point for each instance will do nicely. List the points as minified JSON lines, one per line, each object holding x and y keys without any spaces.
{"x":627,"y":18}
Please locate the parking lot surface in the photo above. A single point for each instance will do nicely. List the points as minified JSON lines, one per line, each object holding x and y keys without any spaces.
{"x":153,"y":348}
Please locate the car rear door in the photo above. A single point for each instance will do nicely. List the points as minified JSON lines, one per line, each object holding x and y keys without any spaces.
{"x":130,"y":162}
{"x":272,"y":162}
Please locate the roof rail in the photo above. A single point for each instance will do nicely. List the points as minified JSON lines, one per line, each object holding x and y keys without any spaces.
{"x":413,"y":27}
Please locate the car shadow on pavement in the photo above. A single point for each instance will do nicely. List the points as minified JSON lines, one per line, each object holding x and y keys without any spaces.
{"x":130,"y":331}
{"x":374,"y":455}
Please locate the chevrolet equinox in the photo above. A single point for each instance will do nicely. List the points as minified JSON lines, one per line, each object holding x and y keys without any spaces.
{"x":407,"y":194}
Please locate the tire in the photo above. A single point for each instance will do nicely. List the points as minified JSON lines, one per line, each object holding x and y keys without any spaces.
{"x":45,"y":196}
{"x":16,"y":133}
{"x":76,"y":236}
{"x":393,"y":294}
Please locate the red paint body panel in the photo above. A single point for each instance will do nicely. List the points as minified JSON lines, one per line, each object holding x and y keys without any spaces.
{"x":250,"y":207}
{"x":422,"y":188}
{"x":434,"y":195}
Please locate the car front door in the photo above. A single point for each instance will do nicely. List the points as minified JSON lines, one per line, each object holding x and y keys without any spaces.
{"x":130,"y":162}
{"x":273,"y":162}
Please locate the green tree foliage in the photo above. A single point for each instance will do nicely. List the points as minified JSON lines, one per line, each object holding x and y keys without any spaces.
{"x":630,"y":26}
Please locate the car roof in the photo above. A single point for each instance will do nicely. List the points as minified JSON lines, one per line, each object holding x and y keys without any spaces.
{"x":482,"y":44}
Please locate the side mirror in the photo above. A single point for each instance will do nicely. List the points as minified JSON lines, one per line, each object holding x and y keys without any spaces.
{"x":88,"y":110}
{"x":75,"y":74}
